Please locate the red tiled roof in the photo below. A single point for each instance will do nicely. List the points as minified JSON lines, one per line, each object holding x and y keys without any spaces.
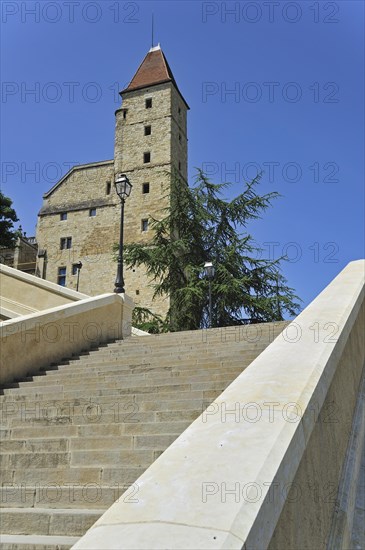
{"x":154,"y":69}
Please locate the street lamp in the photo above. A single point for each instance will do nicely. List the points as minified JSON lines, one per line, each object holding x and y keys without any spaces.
{"x":209,"y":272}
{"x":123,"y":188}
{"x":78,"y":266}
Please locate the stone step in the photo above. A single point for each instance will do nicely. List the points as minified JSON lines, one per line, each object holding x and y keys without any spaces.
{"x":136,"y":380}
{"x":44,"y":432}
{"x":78,"y":435}
{"x":71,"y":426}
{"x":141,"y":441}
{"x":141,"y":458}
{"x":176,"y":404}
{"x":195,"y":357}
{"x":195,"y":393}
{"x":260,"y":334}
{"x":9,"y":461}
{"x":37,"y":542}
{"x":46,"y":521}
{"x":19,"y":406}
{"x":115,"y":368}
{"x":66,"y":425}
{"x":102,"y":409}
{"x":184,"y":411}
{"x":151,"y":374}
{"x":24,"y":393}
{"x":33,"y":445}
{"x":124,"y":348}
{"x":37,"y":409}
{"x":208,"y":334}
{"x":61,"y":392}
{"x":142,"y":369}
{"x":155,"y":422}
{"x":93,"y":414}
{"x":110,"y":372}
{"x":53,"y":495}
{"x":170,"y":354}
{"x":102,"y":443}
{"x":124,"y":449}
{"x":77,"y":475}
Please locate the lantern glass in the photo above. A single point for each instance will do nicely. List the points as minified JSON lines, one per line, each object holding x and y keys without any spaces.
{"x":123,"y":186}
{"x":209,"y":270}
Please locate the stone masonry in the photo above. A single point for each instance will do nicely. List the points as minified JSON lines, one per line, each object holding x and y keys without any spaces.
{"x":150,"y":144}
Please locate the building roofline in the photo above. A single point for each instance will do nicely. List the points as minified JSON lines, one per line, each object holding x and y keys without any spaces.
{"x":166,"y":75}
{"x":139,"y":88}
{"x":73,"y":169}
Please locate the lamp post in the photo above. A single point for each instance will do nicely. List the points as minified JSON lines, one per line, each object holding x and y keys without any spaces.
{"x":123,"y":188}
{"x":277,"y":297}
{"x":209,"y":272}
{"x":78,"y":267}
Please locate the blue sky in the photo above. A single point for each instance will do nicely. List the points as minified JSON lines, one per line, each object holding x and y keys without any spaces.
{"x":276,"y":86}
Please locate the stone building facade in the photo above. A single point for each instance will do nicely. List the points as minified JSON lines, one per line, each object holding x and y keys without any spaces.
{"x":80,"y":216}
{"x":23,"y":256}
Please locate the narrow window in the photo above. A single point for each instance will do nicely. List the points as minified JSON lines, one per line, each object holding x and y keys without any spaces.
{"x":179,"y":165}
{"x":145,"y":188}
{"x":61,"y":279}
{"x":137,"y":292}
{"x":147,"y":130}
{"x":124,"y":113}
{"x":65,"y":242}
{"x":63,"y":216}
{"x":179,"y":111}
{"x":180,"y":138}
{"x":149,"y":103}
{"x":92,"y":212}
{"x":144,"y":225}
{"x":108,"y":187}
{"x":146,"y":157}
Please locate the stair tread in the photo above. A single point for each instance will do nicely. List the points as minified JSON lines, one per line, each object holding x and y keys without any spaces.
{"x":99,"y":419}
{"x":38,"y":539}
{"x":52,"y":511}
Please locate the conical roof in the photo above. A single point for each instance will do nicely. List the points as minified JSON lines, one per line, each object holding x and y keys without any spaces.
{"x":154,"y":69}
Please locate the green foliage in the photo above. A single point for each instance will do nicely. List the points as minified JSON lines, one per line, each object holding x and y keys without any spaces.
{"x":199,"y":226}
{"x":144,"y":319}
{"x":8,"y":235}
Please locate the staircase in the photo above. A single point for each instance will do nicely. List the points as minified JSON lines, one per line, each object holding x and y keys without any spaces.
{"x":79,"y":434}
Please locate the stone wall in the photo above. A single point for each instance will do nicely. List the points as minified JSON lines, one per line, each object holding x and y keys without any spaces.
{"x":93,"y":237}
{"x":22,"y":293}
{"x":25,"y":256}
{"x":22,"y":257}
{"x":261,"y":467}
{"x":167,"y":119}
{"x":312,"y":495}
{"x":87,"y":186}
{"x":57,"y":333}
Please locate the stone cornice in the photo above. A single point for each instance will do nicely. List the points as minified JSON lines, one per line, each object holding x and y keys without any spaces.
{"x":83,"y":205}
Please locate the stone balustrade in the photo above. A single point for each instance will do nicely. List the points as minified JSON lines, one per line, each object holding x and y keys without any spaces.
{"x":262,"y":466}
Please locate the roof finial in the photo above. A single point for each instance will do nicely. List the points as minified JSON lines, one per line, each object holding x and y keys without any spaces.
{"x":152,"y":32}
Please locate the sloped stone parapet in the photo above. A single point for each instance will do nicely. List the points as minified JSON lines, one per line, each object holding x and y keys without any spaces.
{"x":39,"y":339}
{"x":261,"y":467}
{"x":21,"y":293}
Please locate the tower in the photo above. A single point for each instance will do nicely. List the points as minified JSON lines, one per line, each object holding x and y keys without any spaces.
{"x":80,"y":216}
{"x":150,"y":144}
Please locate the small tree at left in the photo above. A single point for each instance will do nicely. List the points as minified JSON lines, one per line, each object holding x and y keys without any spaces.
{"x":8,"y":235}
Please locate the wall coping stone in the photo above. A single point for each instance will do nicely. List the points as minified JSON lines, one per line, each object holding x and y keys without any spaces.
{"x":176,"y":502}
{"x":42,"y":283}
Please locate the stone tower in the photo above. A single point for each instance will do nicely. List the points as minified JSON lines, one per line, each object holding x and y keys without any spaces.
{"x":80,"y":216}
{"x":150,"y":144}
